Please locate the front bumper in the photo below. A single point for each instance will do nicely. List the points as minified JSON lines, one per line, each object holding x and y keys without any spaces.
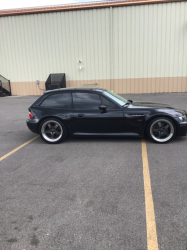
{"x":182,"y":129}
{"x":33,"y":125}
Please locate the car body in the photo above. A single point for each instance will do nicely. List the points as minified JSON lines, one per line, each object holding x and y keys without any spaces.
{"x":100,"y":112}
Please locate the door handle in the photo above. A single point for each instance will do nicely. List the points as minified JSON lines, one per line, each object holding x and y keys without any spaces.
{"x":81,"y":115}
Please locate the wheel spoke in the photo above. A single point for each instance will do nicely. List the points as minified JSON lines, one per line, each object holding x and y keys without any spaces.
{"x":165,"y":133}
{"x":159,"y":135}
{"x":57,"y":133}
{"x":56,"y":126}
{"x":166,"y":127}
{"x":155,"y":130}
{"x":159,"y":124}
{"x":49,"y":125}
{"x":47,"y":131}
{"x":52,"y":136}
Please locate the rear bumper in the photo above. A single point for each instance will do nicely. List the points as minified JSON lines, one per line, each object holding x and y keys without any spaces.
{"x":182,"y":129}
{"x":33,"y":125}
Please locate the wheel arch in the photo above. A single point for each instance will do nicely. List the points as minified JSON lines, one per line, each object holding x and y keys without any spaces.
{"x":157,"y":116}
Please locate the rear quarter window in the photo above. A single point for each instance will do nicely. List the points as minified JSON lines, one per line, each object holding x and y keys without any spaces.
{"x":63,"y":101}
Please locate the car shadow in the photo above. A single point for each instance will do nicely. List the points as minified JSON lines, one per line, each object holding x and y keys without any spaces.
{"x":103,"y":139}
{"x":70,"y":140}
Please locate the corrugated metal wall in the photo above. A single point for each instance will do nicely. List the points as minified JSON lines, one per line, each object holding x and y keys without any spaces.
{"x":33,"y":46}
{"x":134,"y":49}
{"x":149,"y":42}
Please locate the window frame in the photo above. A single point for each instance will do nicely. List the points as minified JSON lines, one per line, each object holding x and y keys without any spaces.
{"x":97,"y":93}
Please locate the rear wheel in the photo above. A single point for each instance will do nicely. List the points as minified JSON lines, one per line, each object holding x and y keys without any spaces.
{"x":161,"y":130}
{"x":52,"y":131}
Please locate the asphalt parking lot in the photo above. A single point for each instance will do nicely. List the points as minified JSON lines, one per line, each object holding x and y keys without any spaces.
{"x":88,"y":193}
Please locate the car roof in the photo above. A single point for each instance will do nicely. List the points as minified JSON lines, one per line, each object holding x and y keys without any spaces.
{"x":80,"y":88}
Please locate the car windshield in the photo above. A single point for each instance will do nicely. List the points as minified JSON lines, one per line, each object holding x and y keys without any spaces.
{"x":120,"y":100}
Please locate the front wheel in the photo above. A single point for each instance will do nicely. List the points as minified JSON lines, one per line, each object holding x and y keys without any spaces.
{"x":161,"y":130}
{"x":52,"y":131}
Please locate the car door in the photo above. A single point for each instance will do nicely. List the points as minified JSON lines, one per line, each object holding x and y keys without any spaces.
{"x":89,"y":119}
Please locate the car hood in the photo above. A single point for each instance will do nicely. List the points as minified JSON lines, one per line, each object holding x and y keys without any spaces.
{"x":157,"y":106}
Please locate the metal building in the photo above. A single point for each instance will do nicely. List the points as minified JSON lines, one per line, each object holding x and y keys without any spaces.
{"x":137,"y":46}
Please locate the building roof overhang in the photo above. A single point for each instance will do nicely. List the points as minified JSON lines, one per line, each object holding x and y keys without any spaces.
{"x":80,"y":6}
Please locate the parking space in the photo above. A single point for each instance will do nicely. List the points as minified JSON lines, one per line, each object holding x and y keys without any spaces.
{"x":13,"y":113}
{"x":168,"y":169}
{"x":88,"y":193}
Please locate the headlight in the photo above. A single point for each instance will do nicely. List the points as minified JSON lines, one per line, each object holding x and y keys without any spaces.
{"x":183,"y":118}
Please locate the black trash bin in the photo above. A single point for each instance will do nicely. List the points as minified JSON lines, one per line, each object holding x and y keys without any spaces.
{"x":5,"y":89}
{"x":55,"y":81}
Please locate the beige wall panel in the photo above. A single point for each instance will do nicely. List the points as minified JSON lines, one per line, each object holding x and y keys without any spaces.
{"x":157,"y":85}
{"x":170,"y":85}
{"x":18,"y":89}
{"x":30,"y":88}
{"x":179,"y":89}
{"x":115,"y":85}
{"x":184,"y":84}
{"x":141,"y":85}
{"x":104,"y":84}
{"x":174,"y":82}
{"x":128,"y":84}
{"x":162,"y":83}
{"x":100,"y":83}
{"x":145,"y":83}
{"x":136,"y":85}
{"x":175,"y":85}
{"x":166,"y":84}
{"x":13,"y":89}
{"x":149,"y":86}
{"x":153,"y":85}
{"x":124,"y":86}
{"x":120,"y":88}
{"x":26,"y":88}
{"x":131,"y":85}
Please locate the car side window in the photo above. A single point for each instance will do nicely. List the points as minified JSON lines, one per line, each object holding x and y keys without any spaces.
{"x":108,"y":103}
{"x":86,"y":100}
{"x":62,"y":100}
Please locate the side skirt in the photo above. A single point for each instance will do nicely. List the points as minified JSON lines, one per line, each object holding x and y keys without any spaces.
{"x":107,"y":134}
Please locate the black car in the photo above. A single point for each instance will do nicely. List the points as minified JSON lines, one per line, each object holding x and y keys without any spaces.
{"x":100,"y":112}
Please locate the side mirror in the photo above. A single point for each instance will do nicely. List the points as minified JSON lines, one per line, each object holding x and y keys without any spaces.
{"x":102,"y":107}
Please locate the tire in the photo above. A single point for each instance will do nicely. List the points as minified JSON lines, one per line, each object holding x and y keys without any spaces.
{"x":52,"y":131}
{"x":161,"y":130}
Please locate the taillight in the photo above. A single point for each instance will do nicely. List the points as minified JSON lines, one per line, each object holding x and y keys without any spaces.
{"x":30,"y":115}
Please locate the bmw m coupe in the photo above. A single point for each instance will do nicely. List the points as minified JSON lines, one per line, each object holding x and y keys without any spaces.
{"x":99,"y":112}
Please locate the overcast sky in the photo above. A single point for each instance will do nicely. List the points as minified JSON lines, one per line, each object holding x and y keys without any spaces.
{"x":12,"y":4}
